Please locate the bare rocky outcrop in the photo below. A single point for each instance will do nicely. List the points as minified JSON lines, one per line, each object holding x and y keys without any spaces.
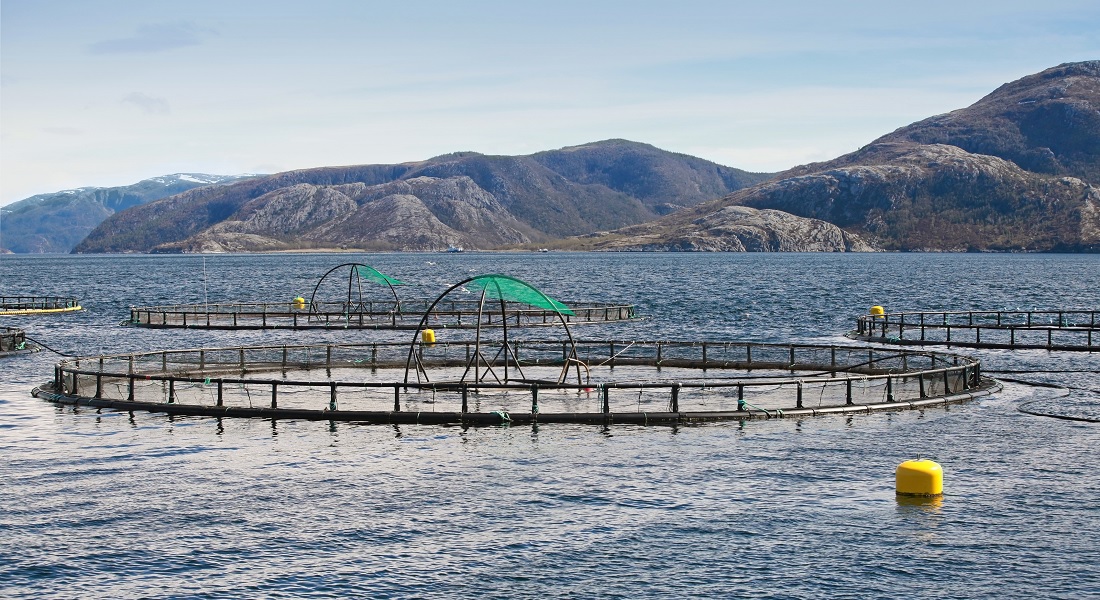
{"x":940,"y":197}
{"x":418,"y":214}
{"x":1017,"y":170}
{"x":732,"y":229}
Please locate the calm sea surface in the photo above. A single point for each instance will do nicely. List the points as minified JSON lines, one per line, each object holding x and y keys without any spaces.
{"x":113,"y":505}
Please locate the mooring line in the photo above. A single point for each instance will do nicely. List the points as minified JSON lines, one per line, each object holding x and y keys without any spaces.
{"x":1043,"y":371}
{"x":1027,"y":411}
{"x":1047,"y":385}
{"x":38,"y":343}
{"x":614,"y":356}
{"x":1022,"y":408}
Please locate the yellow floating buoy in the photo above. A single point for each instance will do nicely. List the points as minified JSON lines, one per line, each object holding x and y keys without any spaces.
{"x":299,"y":303}
{"x":427,"y":336}
{"x":878,"y":311}
{"x":921,"y":477}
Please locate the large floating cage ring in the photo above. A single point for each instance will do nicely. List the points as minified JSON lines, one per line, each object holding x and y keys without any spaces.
{"x":14,"y":341}
{"x":37,"y":305}
{"x":638,"y":382}
{"x":1072,"y":330}
{"x":343,"y":299}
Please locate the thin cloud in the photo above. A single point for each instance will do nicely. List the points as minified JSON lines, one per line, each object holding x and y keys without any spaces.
{"x":151,"y":105}
{"x":157,"y":37}
{"x":63,"y":130}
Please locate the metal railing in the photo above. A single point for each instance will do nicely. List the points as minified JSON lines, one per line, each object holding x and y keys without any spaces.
{"x":27,"y":304}
{"x":1077,"y":330}
{"x":624,"y":381}
{"x":364,"y":315}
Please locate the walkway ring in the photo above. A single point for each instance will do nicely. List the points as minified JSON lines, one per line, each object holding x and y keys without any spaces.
{"x":37,"y":305}
{"x":1070,"y":330}
{"x":628,"y":381}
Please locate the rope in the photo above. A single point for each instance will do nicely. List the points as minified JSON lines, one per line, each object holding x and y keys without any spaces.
{"x":778,"y":413}
{"x":1047,"y":385}
{"x":1024,"y":408}
{"x":48,"y":348}
{"x":1045,"y":371}
{"x":628,"y":346}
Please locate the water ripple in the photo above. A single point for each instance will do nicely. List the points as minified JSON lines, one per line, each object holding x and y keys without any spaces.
{"x":109,"y":504}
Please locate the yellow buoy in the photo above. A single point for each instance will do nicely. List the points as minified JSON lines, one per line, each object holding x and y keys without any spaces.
{"x":427,"y":336}
{"x":921,"y":477}
{"x":878,"y":311}
{"x":299,"y":303}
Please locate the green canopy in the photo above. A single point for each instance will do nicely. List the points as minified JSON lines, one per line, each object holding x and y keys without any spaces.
{"x":503,"y":287}
{"x":370,"y":274}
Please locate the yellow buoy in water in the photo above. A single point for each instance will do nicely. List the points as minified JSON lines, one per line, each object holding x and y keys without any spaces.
{"x":299,"y":303}
{"x":878,"y":311}
{"x":427,"y":336}
{"x":921,"y":477}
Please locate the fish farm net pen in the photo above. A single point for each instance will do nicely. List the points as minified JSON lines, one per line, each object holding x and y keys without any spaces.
{"x":34,"y":305}
{"x":526,"y":380}
{"x":1066,"y":330}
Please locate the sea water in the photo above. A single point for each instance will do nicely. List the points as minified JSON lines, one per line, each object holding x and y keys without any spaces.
{"x":113,"y":504}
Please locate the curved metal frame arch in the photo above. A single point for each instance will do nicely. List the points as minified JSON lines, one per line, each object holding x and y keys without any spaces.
{"x":353,"y":276}
{"x":477,"y":356}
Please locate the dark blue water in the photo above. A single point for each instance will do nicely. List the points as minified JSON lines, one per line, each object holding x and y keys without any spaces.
{"x":105,"y":504}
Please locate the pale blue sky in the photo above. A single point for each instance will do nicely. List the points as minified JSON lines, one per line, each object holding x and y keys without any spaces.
{"x":103,"y":93}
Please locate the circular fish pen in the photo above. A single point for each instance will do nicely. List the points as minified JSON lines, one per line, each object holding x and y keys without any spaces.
{"x":14,"y":341}
{"x":354,"y":308}
{"x":1073,"y":330}
{"x":37,"y":305}
{"x":522,"y":381}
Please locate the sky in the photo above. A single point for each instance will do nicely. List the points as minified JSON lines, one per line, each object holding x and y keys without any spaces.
{"x":107,"y":93}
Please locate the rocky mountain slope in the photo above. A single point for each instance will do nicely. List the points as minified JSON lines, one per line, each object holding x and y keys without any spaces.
{"x":1017,"y":171}
{"x":56,"y":222}
{"x":463,"y":199}
{"x":729,"y":229}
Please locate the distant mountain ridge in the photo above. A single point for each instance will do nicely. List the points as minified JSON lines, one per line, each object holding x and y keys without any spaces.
{"x":462,"y":199}
{"x":1017,"y":171}
{"x":57,"y":222}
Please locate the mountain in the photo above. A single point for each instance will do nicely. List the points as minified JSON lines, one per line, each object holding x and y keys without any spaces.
{"x":57,"y":222}
{"x":462,"y":199}
{"x":1017,"y":171}
{"x":729,"y":229}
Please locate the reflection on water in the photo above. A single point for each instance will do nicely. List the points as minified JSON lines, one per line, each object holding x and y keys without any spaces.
{"x":930,"y":502}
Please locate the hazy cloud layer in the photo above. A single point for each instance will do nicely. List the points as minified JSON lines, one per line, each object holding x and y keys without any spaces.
{"x":63,"y":130}
{"x":233,"y":85}
{"x":151,"y":105}
{"x":157,"y":37}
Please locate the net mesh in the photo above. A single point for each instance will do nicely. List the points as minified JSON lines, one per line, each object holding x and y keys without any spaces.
{"x":371,"y":274}
{"x":502,"y":287}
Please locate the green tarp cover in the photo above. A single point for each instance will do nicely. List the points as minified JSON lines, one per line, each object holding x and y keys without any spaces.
{"x":502,"y":287}
{"x":370,"y":274}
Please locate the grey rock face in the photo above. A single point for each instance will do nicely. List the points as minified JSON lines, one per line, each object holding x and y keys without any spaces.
{"x":734,"y":229}
{"x":417,"y":214}
{"x":470,"y":199}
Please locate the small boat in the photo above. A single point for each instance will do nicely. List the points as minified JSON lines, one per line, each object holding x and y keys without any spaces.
{"x":454,"y":249}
